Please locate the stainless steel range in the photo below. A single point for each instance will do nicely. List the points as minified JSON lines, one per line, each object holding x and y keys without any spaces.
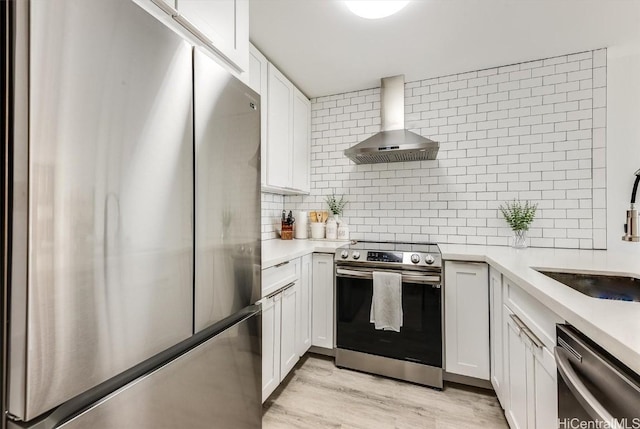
{"x":415,"y":352}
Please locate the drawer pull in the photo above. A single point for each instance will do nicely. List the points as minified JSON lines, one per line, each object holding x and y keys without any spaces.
{"x":280,"y":290}
{"x":281,"y":264}
{"x":518,"y":322}
{"x":533,"y":338}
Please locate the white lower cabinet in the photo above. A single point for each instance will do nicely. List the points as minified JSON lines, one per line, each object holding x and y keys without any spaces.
{"x":517,"y":355}
{"x":323,"y":301}
{"x":546,"y":389}
{"x":288,"y":329}
{"x":530,"y":377}
{"x":466,"y":306}
{"x":271,"y":311}
{"x":304,"y":322}
{"x":495,"y":338}
{"x":286,"y":319}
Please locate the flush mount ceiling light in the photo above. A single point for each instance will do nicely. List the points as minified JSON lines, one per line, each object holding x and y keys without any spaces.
{"x":375,"y":9}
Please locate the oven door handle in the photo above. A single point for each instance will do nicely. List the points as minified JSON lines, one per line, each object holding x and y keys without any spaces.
{"x":589,"y":402}
{"x":406,"y":278}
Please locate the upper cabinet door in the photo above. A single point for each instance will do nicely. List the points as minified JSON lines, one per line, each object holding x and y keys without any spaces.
{"x":301,"y":141}
{"x":280,"y":129}
{"x":258,"y":81}
{"x":225,"y":23}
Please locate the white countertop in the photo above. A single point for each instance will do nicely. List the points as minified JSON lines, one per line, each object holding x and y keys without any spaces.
{"x":277,"y":251}
{"x":615,"y":325}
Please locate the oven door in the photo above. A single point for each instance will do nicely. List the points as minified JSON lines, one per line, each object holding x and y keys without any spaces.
{"x":419,"y":339}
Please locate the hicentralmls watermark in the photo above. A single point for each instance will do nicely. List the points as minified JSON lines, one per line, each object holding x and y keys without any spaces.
{"x":575,"y":423}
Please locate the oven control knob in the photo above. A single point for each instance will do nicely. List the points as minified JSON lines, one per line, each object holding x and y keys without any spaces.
{"x":415,"y":258}
{"x":429,"y":259}
{"x":344,"y":254}
{"x":356,"y":255}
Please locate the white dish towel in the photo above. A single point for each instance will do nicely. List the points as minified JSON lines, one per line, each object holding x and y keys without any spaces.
{"x":386,"y":305}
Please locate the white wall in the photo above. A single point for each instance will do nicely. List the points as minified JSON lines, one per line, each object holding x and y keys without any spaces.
{"x":623,"y":138}
{"x":531,"y":131}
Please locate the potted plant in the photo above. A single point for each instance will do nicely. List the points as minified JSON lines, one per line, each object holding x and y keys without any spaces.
{"x":519,"y":216}
{"x":336,"y":206}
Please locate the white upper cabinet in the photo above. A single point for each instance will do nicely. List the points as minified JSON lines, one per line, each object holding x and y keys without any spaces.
{"x":467,"y":319}
{"x":280,"y":130}
{"x":221,"y":26}
{"x":301,"y":144}
{"x":225,"y":23}
{"x":257,"y":79}
{"x":286,"y":128}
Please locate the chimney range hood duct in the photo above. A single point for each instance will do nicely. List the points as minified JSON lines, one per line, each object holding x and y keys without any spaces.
{"x":393,"y":143}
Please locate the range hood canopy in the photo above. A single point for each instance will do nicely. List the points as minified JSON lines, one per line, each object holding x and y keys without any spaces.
{"x":394,"y":143}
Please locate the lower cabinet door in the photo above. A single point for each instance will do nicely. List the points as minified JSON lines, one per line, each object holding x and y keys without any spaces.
{"x":304,"y":334}
{"x":516,"y":354}
{"x":466,"y":305}
{"x":546,"y":389}
{"x":271,"y":310}
{"x":322,"y":301}
{"x":288,"y":329}
{"x":497,"y":352}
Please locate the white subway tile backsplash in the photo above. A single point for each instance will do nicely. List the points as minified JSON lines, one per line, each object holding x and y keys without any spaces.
{"x":533,"y":131}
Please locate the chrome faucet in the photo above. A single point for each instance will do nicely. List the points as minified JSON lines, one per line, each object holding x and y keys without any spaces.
{"x":631,"y":227}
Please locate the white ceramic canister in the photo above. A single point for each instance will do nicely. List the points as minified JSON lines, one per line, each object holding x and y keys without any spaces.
{"x":317,"y":229}
{"x":332,"y":228}
{"x":301,"y":227}
{"x":343,"y":231}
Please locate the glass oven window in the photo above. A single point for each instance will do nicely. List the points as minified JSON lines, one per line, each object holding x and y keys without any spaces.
{"x":419,"y":339}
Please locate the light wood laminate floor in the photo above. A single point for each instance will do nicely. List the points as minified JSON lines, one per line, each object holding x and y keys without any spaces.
{"x":319,"y":395}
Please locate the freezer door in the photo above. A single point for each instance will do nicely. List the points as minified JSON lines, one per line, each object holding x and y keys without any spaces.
{"x":215,"y":385}
{"x":110,"y":200}
{"x":227,"y":140}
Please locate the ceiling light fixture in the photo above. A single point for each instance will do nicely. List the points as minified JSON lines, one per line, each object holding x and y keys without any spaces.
{"x":375,"y":9}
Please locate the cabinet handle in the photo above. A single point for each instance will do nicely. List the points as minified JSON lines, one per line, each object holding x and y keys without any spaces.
{"x":281,"y":264}
{"x":281,"y":290}
{"x":524,"y":329}
{"x":533,"y":338}
{"x":518,"y":322}
{"x":287,"y":287}
{"x":165,"y":7}
{"x":205,"y":40}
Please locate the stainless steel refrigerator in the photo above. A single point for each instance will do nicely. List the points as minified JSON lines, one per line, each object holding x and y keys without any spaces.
{"x":131,"y":225}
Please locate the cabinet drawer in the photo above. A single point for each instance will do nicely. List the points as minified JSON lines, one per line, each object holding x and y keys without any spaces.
{"x":280,"y":275}
{"x":540,"y":320}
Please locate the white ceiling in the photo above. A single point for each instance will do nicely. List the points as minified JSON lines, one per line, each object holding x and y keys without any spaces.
{"x":325,"y":49}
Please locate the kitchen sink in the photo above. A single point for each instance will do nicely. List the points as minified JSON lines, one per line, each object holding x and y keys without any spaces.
{"x":599,"y":286}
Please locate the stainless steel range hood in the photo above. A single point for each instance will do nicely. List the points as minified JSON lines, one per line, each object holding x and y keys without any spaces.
{"x":394,"y":143}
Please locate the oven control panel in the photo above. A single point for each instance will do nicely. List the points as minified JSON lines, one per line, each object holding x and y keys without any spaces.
{"x":384,"y":257}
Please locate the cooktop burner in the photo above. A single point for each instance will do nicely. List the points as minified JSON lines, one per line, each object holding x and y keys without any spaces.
{"x":391,"y":254}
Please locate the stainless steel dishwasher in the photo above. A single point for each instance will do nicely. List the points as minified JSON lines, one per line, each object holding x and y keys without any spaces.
{"x":595,"y":390}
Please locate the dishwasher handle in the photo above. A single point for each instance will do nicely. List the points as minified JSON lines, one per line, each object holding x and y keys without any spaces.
{"x":589,"y":402}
